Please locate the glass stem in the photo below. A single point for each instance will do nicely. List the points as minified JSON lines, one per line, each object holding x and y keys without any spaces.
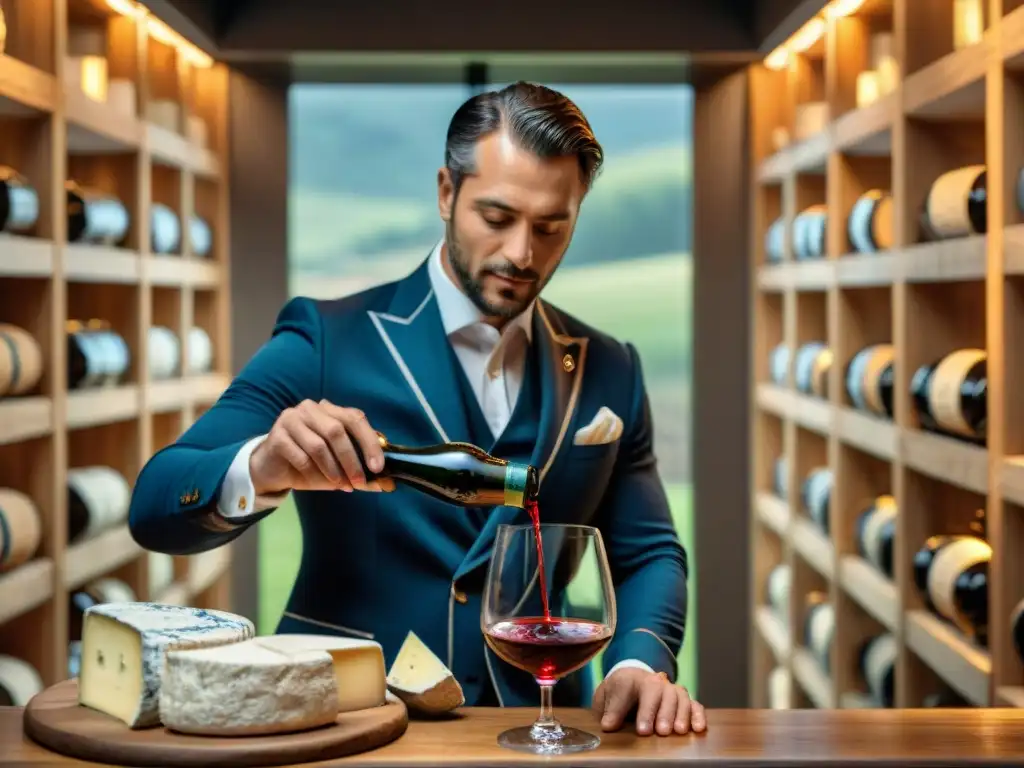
{"x":546,"y":726}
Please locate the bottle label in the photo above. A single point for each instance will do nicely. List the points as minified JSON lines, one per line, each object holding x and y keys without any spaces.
{"x":166,"y":230}
{"x":859,"y":223}
{"x":950,"y":561}
{"x":24,"y":209}
{"x":881,"y":356}
{"x":106,"y":221}
{"x":778,"y":364}
{"x":881,"y":223}
{"x":946,"y":385}
{"x":803,"y":366}
{"x":855,"y":377}
{"x":819,"y":373}
{"x":781,"y":478}
{"x":822,"y":626}
{"x":819,"y":487}
{"x":878,"y":661}
{"x":884,"y":511}
{"x":946,"y":208}
{"x":779,"y":581}
{"x":516,"y":478}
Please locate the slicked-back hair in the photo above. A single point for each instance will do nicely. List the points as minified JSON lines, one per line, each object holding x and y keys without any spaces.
{"x":538,"y":119}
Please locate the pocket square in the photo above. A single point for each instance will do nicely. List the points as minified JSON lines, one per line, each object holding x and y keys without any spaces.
{"x":605,"y":427}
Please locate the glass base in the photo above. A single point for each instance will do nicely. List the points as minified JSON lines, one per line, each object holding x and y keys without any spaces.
{"x":547,"y":740}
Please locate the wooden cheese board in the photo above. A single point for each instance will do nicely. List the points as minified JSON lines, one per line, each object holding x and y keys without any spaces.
{"x":54,"y":719}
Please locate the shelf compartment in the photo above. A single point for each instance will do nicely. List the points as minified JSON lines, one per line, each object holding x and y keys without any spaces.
{"x":865,"y":271}
{"x":26,"y":587}
{"x":946,"y":459}
{"x":952,"y":87}
{"x":813,"y":546}
{"x":871,"y":590}
{"x":23,"y":418}
{"x":99,"y":556}
{"x":868,"y":130}
{"x":773,"y":631}
{"x":25,"y":90}
{"x":871,"y":434}
{"x":812,"y":678}
{"x":962,"y":665}
{"x":955,"y":260}
{"x":92,"y":407}
{"x":101,"y":264}
{"x":25,"y":256}
{"x":94,"y":129}
{"x":772,"y":511}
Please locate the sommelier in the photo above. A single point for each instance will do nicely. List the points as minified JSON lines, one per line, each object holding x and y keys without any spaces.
{"x":462,"y":349}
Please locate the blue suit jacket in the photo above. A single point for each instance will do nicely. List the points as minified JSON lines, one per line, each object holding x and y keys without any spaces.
{"x":381,"y":564}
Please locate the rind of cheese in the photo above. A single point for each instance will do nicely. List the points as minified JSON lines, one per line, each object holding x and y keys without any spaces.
{"x":358,"y":666}
{"x":123,"y":650}
{"x":247,"y":689}
{"x":422,"y":681}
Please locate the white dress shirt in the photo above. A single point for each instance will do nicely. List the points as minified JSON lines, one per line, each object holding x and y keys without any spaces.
{"x":493,"y":361}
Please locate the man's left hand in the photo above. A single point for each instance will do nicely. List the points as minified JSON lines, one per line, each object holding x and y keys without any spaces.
{"x":661,"y":707}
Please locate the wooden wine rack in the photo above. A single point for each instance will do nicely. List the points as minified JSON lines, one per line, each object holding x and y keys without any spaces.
{"x":952,"y":106}
{"x":50,"y":131}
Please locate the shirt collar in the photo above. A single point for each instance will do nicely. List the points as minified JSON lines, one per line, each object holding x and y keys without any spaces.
{"x":457,"y":310}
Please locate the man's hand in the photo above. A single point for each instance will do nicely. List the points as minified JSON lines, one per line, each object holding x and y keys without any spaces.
{"x":661,"y":707}
{"x":311,"y":448}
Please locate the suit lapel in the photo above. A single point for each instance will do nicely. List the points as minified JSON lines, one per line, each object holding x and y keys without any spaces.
{"x":414,"y":335}
{"x":562,"y":361}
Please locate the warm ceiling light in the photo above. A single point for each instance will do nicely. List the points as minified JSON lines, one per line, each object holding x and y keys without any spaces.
{"x":777,"y":59}
{"x":127,"y":8}
{"x":807,"y":35}
{"x":158,"y":30}
{"x":840,"y":8}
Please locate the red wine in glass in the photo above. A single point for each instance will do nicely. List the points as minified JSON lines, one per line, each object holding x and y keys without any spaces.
{"x":548,"y":648}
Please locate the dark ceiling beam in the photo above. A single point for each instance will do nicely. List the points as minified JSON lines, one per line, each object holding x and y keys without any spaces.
{"x":776,"y":20}
{"x":192,"y":19}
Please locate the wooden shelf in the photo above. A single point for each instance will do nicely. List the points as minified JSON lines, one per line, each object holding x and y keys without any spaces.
{"x":922,"y":294}
{"x":153,"y":131}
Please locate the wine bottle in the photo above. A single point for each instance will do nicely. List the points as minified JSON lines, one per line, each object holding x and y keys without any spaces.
{"x":19,"y":681}
{"x":164,"y":229}
{"x":21,"y":361}
{"x":809,"y":227}
{"x":777,"y":589}
{"x":877,"y":663}
{"x":21,"y":529}
{"x":950,"y":396}
{"x":816,"y":493}
{"x":19,"y":202}
{"x":810,"y":368}
{"x":95,"y":217}
{"x":780,"y":478}
{"x":97,"y":355}
{"x":459,"y":473}
{"x":778,"y":364}
{"x":164,"y":352}
{"x":1017,"y":629}
{"x":98,"y":500}
{"x":951,"y":575}
{"x":780,"y":689}
{"x":200,"y":237}
{"x":956,"y":204}
{"x":819,"y":628}
{"x":876,"y":533}
{"x":869,"y":379}
{"x":869,"y":226}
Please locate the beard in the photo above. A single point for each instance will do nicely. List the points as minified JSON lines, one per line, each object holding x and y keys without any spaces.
{"x":473,"y":286}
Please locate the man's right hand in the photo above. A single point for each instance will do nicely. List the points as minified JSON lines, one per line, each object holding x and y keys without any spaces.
{"x":310,"y":448}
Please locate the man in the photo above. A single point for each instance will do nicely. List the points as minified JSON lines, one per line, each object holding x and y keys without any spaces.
{"x":460,"y":350}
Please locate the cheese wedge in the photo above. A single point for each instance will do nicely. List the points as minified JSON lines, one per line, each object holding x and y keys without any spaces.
{"x":123,"y":648}
{"x":422,"y":681}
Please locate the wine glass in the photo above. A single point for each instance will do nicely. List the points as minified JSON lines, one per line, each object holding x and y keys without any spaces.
{"x":548,"y":643}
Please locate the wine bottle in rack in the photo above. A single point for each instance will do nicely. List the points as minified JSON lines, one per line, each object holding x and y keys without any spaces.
{"x":164,"y":229}
{"x":98,"y":500}
{"x":875,"y":533}
{"x":97,"y":355}
{"x":869,"y":225}
{"x":951,"y":576}
{"x":95,"y":217}
{"x":19,"y":203}
{"x":164,"y":351}
{"x":200,"y":351}
{"x":103,"y":590}
{"x":869,"y":380}
{"x":778,"y":364}
{"x":950,"y":396}
{"x":780,"y":478}
{"x":809,"y":227}
{"x":956,"y":205}
{"x":819,"y":628}
{"x":811,"y":366}
{"x":200,"y":237}
{"x":777,"y":589}
{"x":21,"y":361}
{"x":877,"y":664}
{"x":816,"y":494}
{"x":780,"y":689}
{"x":21,"y":529}
{"x":19,"y":681}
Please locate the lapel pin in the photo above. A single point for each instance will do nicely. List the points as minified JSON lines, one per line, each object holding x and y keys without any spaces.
{"x":568,"y":363}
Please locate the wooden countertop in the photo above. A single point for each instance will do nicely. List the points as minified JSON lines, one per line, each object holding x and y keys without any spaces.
{"x":742,"y":737}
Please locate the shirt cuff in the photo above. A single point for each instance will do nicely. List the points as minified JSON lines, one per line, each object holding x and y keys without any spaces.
{"x":238,"y":499}
{"x":630,"y":663}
